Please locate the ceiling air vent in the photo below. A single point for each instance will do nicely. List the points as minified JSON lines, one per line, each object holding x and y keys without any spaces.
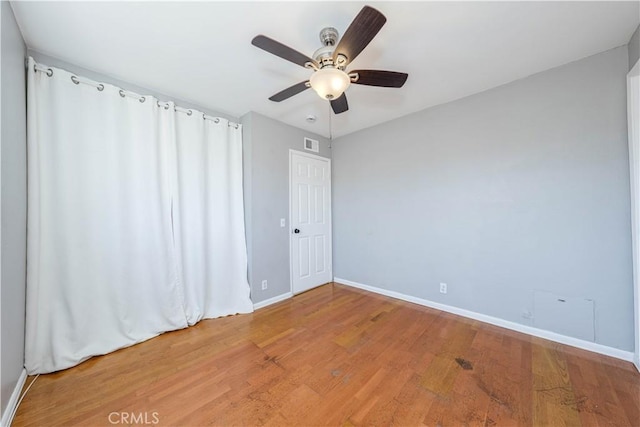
{"x":311,"y":145}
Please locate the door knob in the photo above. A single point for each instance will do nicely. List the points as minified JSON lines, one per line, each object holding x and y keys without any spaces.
{"x":296,"y":231}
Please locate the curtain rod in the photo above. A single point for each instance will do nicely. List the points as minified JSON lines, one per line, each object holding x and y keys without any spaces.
{"x":125,"y":93}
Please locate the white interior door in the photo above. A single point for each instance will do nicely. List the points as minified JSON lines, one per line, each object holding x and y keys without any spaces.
{"x":633,"y":111}
{"x":310,"y":220}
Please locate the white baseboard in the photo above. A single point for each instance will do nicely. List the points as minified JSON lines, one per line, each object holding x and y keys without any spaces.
{"x":541,"y":333}
{"x":9,"y":411}
{"x":273,"y":300}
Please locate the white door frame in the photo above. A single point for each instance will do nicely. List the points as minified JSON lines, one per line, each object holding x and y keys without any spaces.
{"x":324,"y":159}
{"x":633,"y":123}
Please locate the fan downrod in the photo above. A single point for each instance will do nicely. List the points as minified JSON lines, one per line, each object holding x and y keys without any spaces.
{"x":328,"y":36}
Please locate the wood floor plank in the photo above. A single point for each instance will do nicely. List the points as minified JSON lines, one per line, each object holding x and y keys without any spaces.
{"x":440,"y":375}
{"x":340,"y":356}
{"x":554,"y":397}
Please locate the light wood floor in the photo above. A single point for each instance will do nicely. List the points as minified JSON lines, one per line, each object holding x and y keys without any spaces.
{"x":340,"y":356}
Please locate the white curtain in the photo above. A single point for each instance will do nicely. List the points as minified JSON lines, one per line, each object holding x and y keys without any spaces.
{"x":106,"y":259}
{"x":209,"y":217}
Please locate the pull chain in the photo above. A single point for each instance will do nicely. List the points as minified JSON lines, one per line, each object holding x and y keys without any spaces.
{"x":330,"y":128}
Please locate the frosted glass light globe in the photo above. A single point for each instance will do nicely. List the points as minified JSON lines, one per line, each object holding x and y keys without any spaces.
{"x":329,"y":83}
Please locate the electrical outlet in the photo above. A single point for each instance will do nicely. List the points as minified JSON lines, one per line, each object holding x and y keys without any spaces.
{"x":282,"y":222}
{"x":264,"y":285}
{"x":443,"y":288}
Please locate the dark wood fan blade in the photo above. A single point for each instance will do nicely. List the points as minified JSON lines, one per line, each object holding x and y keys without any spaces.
{"x":290,"y":91}
{"x":362,"y":30}
{"x":278,"y":49}
{"x":339,"y":104}
{"x":380,"y":78}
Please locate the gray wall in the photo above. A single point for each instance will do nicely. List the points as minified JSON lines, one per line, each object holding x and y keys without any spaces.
{"x":520,"y":188}
{"x":104,"y":78}
{"x":266,"y":145}
{"x":634,"y":48}
{"x":14,"y":202}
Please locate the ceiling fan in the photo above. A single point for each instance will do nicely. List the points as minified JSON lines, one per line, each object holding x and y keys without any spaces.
{"x":330,"y":78}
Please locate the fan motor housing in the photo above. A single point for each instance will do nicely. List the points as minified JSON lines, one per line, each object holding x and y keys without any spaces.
{"x":324,"y":55}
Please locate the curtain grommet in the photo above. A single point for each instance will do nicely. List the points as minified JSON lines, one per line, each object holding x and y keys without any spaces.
{"x":48,"y":72}
{"x":75,"y":80}
{"x":100,"y":87}
{"x":121,"y":92}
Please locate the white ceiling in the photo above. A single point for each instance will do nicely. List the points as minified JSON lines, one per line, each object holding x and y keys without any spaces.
{"x":200,"y":51}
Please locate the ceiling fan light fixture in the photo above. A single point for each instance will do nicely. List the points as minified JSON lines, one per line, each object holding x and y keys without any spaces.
{"x":329,"y":79}
{"x":329,"y":83}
